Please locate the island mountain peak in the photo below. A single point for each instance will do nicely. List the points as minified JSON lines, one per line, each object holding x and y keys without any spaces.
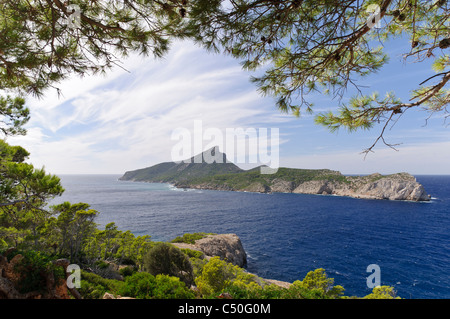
{"x":208,"y":163}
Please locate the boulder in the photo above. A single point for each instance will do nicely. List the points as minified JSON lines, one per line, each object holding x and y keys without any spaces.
{"x":227,"y":246}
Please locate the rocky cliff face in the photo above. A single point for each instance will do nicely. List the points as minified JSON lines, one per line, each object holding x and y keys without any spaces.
{"x":227,"y":246}
{"x":401,"y":186}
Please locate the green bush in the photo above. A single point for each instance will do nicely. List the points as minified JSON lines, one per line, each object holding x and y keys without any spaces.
{"x":143,"y":285}
{"x":315,"y":285}
{"x":193,"y":253}
{"x":190,"y":238}
{"x":94,"y":286}
{"x":34,"y":269}
{"x":218,"y":275}
{"x":127,"y":271}
{"x":168,"y":287}
{"x":382,"y":292}
{"x":166,"y":259}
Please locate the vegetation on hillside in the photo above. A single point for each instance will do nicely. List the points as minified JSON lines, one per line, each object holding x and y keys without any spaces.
{"x":227,"y":175}
{"x":243,"y":180}
{"x":159,"y":270}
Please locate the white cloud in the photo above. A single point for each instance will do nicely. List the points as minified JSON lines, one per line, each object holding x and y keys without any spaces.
{"x":124,"y":121}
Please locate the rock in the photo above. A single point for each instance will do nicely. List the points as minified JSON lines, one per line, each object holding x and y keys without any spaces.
{"x":282,"y":284}
{"x":227,"y":246}
{"x":257,"y":188}
{"x":281,"y":186}
{"x":401,"y":186}
{"x":11,"y":274}
{"x":314,"y":187}
{"x":107,"y":295}
{"x":225,"y":295}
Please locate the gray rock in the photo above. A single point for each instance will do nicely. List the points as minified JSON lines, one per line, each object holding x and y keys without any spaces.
{"x":401,"y":186}
{"x":226,"y":246}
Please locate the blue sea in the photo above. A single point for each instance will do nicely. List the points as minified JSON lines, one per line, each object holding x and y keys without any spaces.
{"x":288,"y":235}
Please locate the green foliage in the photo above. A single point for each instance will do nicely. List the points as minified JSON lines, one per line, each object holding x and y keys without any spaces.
{"x":74,"y":226}
{"x":169,"y":172}
{"x":24,"y":191}
{"x":382,"y":292}
{"x":143,"y":285}
{"x":94,"y":286}
{"x":244,"y":180}
{"x":321,"y":46}
{"x":127,"y":271}
{"x":169,"y":287}
{"x":22,"y":186}
{"x":193,"y":253}
{"x":34,"y":269}
{"x":218,"y":275}
{"x":167,"y":259}
{"x":13,"y":115}
{"x":39,"y":46}
{"x":319,"y":285}
{"x":120,"y":246}
{"x":190,"y":238}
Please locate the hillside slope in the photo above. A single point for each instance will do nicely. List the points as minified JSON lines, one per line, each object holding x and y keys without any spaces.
{"x":200,"y":174}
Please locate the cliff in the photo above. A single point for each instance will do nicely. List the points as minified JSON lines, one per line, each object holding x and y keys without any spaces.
{"x":226,"y":176}
{"x":401,"y":186}
{"x":227,"y":246}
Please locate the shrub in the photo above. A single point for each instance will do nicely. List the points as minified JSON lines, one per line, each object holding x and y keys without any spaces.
{"x":143,"y":285}
{"x":193,"y":253}
{"x":217,"y":276}
{"x":168,"y":287}
{"x":127,"y":271}
{"x":382,"y":292}
{"x":34,"y":269}
{"x":94,"y":286}
{"x":140,"y":285}
{"x":316,"y":285}
{"x":190,"y":238}
{"x":167,"y":259}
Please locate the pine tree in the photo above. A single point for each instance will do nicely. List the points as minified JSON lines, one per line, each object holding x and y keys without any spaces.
{"x":310,"y":46}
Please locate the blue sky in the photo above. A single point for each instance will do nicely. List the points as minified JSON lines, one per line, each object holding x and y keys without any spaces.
{"x":124,"y":120}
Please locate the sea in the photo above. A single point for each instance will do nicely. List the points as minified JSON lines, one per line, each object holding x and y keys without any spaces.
{"x":287,"y":235}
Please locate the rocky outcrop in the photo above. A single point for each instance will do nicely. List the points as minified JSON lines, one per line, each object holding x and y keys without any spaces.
{"x":11,"y":276}
{"x":281,"y":186}
{"x":227,"y":246}
{"x":109,"y":296}
{"x":401,"y":186}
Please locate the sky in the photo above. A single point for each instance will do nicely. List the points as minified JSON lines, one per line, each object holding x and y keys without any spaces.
{"x":125,"y":120}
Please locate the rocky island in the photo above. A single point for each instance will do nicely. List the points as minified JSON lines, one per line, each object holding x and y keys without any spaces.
{"x":224,"y":175}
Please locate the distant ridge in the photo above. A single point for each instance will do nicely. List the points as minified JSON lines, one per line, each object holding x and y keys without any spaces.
{"x":202,"y":172}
